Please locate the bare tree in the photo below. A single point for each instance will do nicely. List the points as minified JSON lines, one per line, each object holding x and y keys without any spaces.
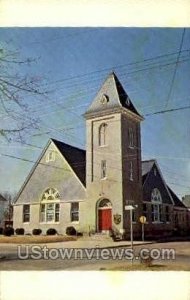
{"x":8,"y":209}
{"x":16,"y":88}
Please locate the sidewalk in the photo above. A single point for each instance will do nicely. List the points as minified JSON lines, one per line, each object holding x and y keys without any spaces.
{"x":89,"y":242}
{"x":83,"y":242}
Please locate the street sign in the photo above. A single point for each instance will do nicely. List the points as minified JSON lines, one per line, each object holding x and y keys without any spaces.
{"x":129,"y":207}
{"x":142,"y":219}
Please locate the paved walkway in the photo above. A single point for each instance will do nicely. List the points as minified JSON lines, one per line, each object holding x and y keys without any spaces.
{"x":83,"y":242}
{"x":90,"y":242}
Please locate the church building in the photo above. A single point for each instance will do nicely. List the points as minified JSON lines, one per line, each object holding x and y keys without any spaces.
{"x":89,"y":190}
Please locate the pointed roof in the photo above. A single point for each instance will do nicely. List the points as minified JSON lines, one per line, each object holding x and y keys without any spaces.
{"x":75,"y":157}
{"x":111,"y":97}
{"x":147,"y":166}
{"x":177,"y":201}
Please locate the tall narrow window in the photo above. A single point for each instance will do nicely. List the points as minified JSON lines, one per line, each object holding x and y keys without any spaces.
{"x":131,"y":137}
{"x":42,"y":213}
{"x":74,"y":211}
{"x":156,"y":200}
{"x":26,"y":213}
{"x":131,"y":170}
{"x":103,"y":134}
{"x":103,"y":169}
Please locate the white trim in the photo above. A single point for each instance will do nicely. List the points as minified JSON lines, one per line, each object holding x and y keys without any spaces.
{"x":157,"y":222}
{"x":61,"y":201}
{"x":164,"y":181}
{"x":49,"y":223}
{"x":104,"y":208}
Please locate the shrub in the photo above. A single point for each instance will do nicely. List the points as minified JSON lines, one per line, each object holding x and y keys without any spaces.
{"x":79,"y":233}
{"x":1,"y":230}
{"x":8,"y":231}
{"x":36,"y":231}
{"x":51,"y":231}
{"x":71,"y":230}
{"x":19,"y":231}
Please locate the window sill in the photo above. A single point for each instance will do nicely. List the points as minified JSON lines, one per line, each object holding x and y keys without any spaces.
{"x":75,"y":222}
{"x":103,"y":146}
{"x":43,"y":223}
{"x":131,"y":147}
{"x":104,"y":178}
{"x":26,"y":222}
{"x":157,"y":222}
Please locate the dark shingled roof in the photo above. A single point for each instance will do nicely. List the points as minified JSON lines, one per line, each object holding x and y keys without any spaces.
{"x":75,"y":157}
{"x":77,"y":160}
{"x":177,"y":201}
{"x":123,"y":97}
{"x":146,"y":167}
{"x":117,"y":98}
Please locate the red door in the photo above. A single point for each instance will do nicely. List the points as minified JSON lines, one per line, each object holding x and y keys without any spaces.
{"x":105,"y":219}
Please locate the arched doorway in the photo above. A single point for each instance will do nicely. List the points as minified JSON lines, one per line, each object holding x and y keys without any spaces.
{"x":104,"y":215}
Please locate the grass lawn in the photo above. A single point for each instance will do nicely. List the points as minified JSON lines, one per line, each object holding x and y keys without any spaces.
{"x":38,"y":239}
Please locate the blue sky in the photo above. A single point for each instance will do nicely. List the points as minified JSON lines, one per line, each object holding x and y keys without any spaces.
{"x":73,"y":63}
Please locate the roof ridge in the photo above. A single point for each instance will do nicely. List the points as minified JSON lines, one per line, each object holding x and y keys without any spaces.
{"x":58,"y":141}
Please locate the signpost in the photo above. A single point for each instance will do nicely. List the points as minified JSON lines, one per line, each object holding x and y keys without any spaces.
{"x":131,"y":207}
{"x":142,"y":219}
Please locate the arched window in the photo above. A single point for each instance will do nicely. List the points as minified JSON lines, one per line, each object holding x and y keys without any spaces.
{"x":104,"y":203}
{"x":50,"y":207}
{"x":156,"y":200}
{"x":103,"y":134}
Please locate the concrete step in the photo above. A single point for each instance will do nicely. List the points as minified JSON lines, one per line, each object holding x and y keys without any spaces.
{"x":100,"y":236}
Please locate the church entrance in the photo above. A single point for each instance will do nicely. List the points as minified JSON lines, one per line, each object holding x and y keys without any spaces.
{"x":104,"y":215}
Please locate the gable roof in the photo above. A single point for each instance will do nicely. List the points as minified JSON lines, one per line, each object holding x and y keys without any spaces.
{"x":146,"y":167}
{"x":72,"y":155}
{"x":116,"y":95}
{"x":177,"y":201}
{"x":75,"y":157}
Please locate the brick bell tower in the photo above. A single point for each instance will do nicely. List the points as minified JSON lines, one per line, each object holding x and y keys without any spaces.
{"x":113,"y":159}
